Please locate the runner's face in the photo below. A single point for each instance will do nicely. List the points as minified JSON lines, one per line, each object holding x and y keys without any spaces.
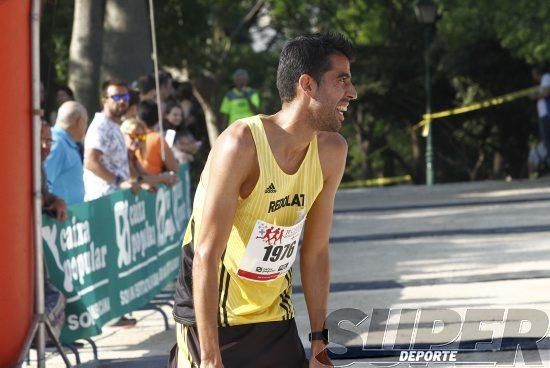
{"x":334,"y":92}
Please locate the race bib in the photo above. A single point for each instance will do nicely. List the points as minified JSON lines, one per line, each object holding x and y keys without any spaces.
{"x":271,"y":251}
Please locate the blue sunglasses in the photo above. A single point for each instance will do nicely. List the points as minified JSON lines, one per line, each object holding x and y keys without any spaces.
{"x":120,"y":97}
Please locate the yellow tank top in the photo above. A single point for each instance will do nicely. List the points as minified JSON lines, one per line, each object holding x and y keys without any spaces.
{"x":277,"y":202}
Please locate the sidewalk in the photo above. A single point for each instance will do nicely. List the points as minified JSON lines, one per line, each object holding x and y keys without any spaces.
{"x":146,"y":345}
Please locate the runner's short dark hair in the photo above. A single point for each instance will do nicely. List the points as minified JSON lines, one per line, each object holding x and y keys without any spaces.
{"x":309,"y":55}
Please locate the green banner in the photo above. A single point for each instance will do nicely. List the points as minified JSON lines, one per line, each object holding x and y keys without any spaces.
{"x":115,"y":253}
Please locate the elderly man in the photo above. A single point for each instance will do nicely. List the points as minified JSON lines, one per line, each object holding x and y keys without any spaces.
{"x":52,"y":205}
{"x":64,"y":164}
{"x":106,"y":166}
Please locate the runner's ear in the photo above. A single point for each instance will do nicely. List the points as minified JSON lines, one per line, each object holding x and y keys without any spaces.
{"x":307,"y":84}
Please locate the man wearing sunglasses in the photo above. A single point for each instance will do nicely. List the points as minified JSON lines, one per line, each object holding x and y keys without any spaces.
{"x":106,"y":166}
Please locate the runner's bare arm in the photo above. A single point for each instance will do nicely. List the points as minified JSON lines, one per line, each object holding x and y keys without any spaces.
{"x":314,"y":256}
{"x":228,"y":168}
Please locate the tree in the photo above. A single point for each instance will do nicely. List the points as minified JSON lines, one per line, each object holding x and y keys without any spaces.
{"x":126,"y":40}
{"x":207,"y":40}
{"x":481,"y":57}
{"x":478,"y":51}
{"x":86,"y":51}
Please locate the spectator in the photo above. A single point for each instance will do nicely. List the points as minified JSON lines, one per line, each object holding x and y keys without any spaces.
{"x":185,"y":145}
{"x":105,"y":158}
{"x":241,"y":101}
{"x":132,"y":105}
{"x":166,"y":88}
{"x":55,"y":207}
{"x":194,"y":122}
{"x":146,"y":86}
{"x":542,"y":76}
{"x":42,"y":101}
{"x":536,"y":160}
{"x":64,"y":165}
{"x":135,"y":135}
{"x":62,"y":95}
{"x":192,"y":113}
{"x":51,"y":205}
{"x":152,"y":160}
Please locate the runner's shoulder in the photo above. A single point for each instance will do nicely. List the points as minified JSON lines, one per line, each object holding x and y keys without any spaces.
{"x":332,"y":143}
{"x":236,"y":141}
{"x":333,"y":150}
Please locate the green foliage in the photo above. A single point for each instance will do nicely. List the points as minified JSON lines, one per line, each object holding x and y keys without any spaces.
{"x":55,"y":38}
{"x":520,"y":26}
{"x":56,"y":27}
{"x":484,"y":51}
{"x":479,"y":49}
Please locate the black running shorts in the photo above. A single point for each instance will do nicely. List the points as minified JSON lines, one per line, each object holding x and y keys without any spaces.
{"x":268,"y":344}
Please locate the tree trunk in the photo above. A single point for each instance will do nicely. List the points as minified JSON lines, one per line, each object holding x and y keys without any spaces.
{"x":85,"y":52}
{"x":209,"y":117}
{"x":127,"y":40}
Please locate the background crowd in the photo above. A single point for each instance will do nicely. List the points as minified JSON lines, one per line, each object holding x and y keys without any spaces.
{"x":122,"y":147}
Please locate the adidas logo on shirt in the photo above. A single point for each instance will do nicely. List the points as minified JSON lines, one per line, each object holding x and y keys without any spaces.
{"x":271,"y":189}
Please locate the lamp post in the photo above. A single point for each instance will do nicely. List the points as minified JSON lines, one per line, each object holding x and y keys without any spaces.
{"x":425,"y":13}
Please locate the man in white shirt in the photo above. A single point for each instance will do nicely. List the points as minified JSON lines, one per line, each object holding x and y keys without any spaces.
{"x":106,"y":166}
{"x":542,"y":76}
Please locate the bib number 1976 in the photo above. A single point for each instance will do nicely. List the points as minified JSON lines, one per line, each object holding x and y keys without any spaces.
{"x":275,"y":253}
{"x":270,"y":252}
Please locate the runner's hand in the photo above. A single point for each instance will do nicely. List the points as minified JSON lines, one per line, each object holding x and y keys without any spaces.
{"x":319,"y":358}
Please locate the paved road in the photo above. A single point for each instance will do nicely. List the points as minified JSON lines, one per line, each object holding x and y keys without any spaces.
{"x":455,"y":246}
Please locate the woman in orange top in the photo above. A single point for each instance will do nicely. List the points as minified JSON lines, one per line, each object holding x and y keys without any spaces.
{"x":151,"y":159}
{"x":134,"y":131}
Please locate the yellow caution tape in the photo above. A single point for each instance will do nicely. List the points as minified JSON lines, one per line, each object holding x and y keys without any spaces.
{"x":427,"y":118}
{"x":376,"y":182}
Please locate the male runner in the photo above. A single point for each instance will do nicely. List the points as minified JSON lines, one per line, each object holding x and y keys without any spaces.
{"x":267,"y":177}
